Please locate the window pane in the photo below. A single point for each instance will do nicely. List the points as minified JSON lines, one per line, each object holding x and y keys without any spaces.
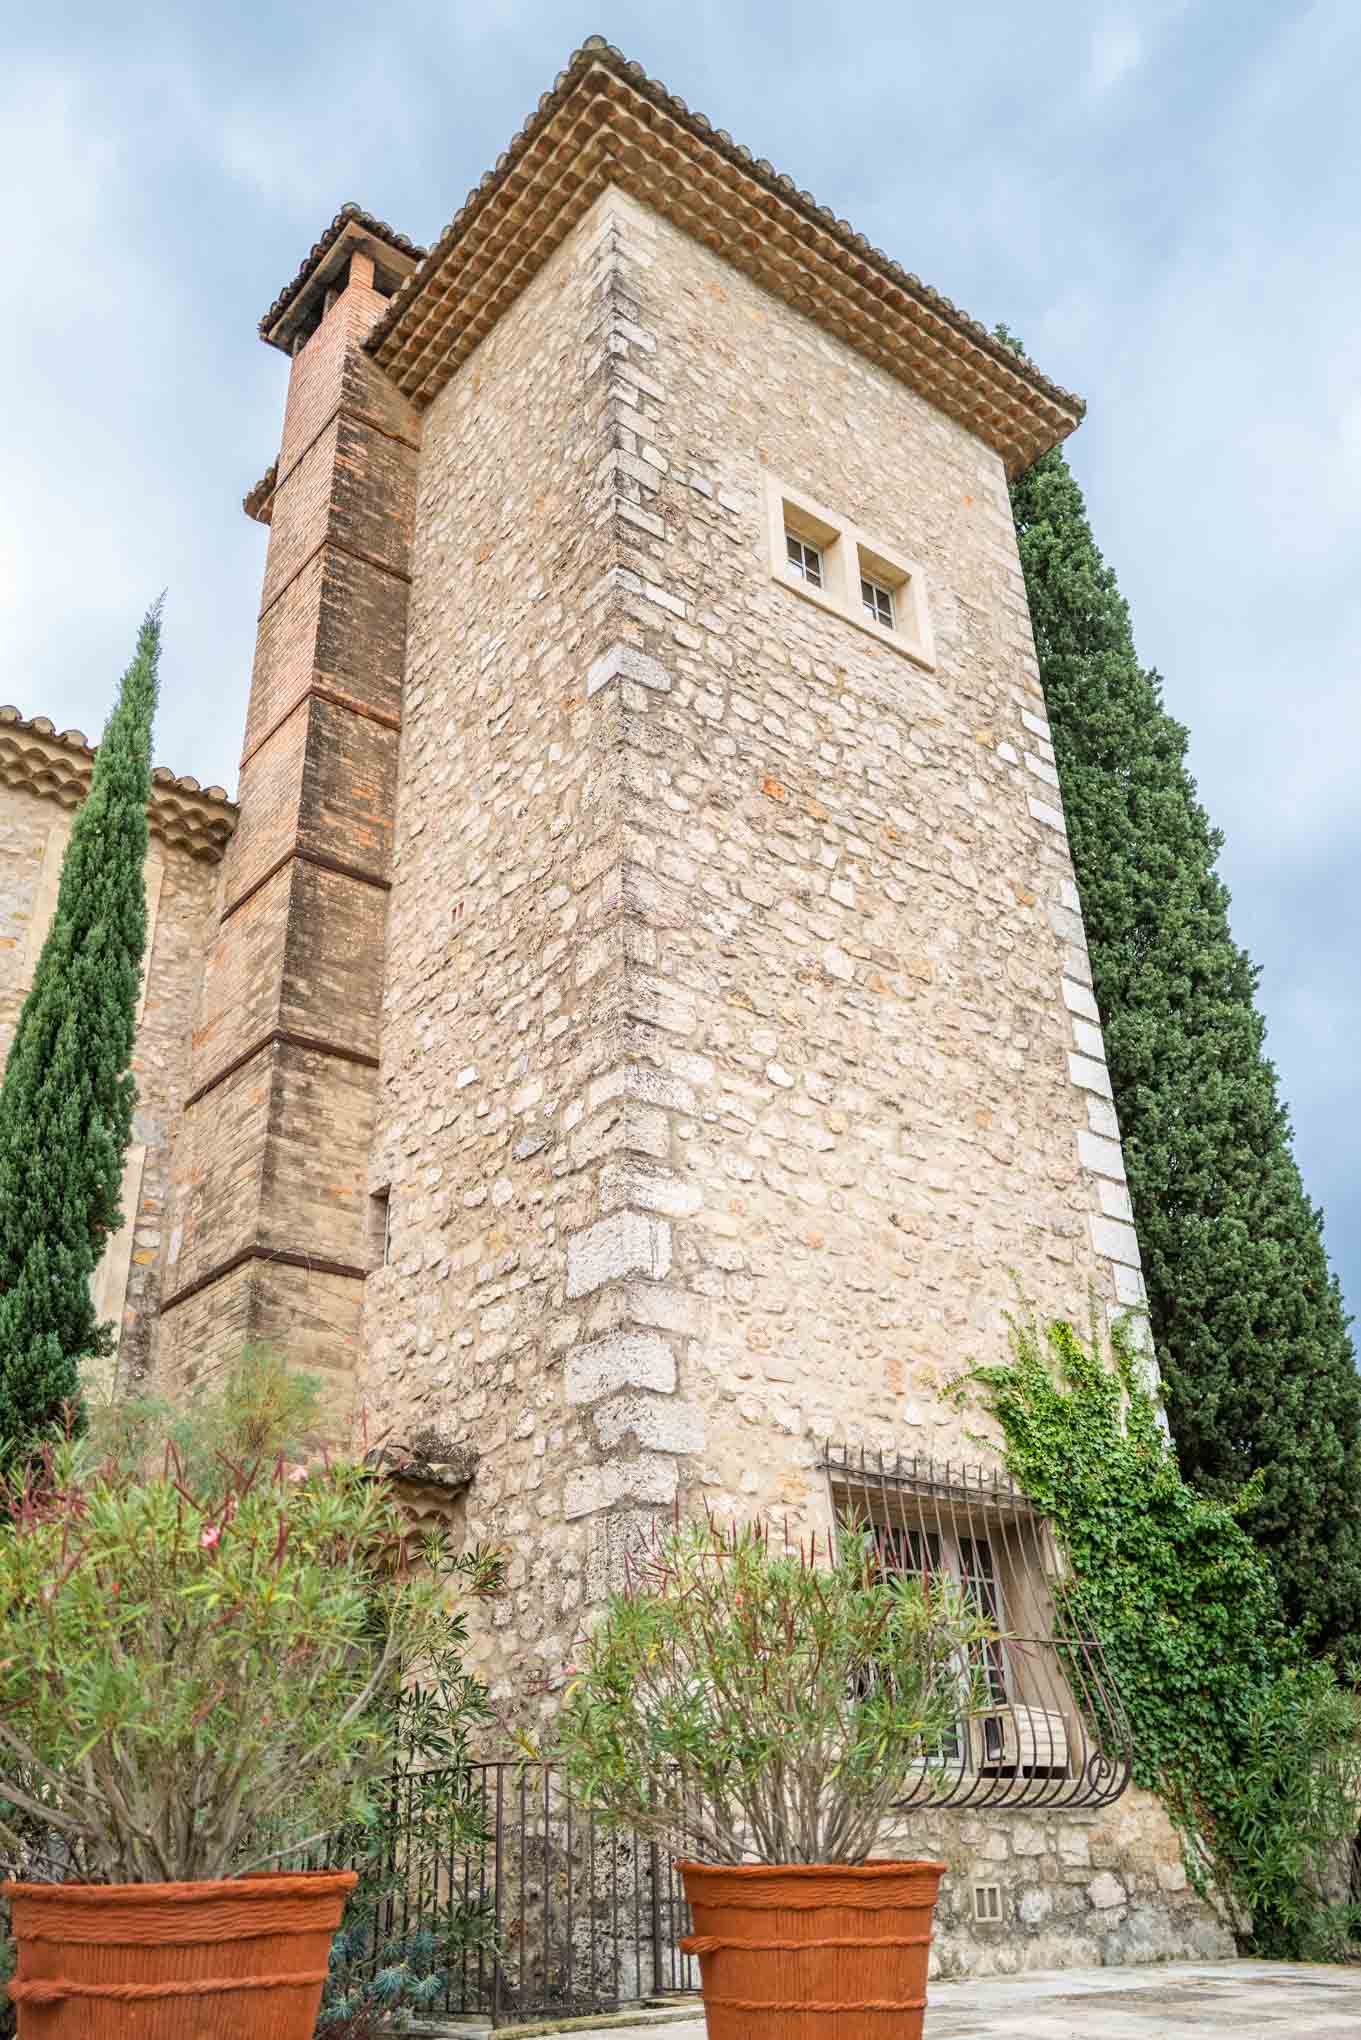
{"x":978,"y":1577}
{"x":804,"y":560}
{"x":907,"y":1551}
{"x":877,"y":601}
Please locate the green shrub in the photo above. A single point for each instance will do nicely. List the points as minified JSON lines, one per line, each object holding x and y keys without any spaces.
{"x":1254,"y":1749}
{"x":201,"y":1648}
{"x":753,"y":1704}
{"x":377,"y":1983}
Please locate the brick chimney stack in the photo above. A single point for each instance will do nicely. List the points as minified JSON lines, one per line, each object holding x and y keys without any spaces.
{"x":270,"y":1215}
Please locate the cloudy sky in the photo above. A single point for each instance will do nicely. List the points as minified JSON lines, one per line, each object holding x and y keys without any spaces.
{"x":1163,"y":198}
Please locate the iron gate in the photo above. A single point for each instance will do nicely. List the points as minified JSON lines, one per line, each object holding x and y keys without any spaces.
{"x":573,"y":1919}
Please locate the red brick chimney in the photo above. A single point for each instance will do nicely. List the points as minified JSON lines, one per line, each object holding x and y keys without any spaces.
{"x":269,"y":1225}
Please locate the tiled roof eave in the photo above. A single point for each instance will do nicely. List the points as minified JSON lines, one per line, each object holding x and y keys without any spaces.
{"x":605,"y":122}
{"x":56,"y":765}
{"x":258,"y":502}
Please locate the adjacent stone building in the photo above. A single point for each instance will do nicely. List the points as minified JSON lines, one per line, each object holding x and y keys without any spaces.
{"x":44,"y":775}
{"x":642,"y":1015}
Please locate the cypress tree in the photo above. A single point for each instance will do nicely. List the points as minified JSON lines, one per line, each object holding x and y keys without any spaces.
{"x":68,"y":1095}
{"x":1258,"y":1369}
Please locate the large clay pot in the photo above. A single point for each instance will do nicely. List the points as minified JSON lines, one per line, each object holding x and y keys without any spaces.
{"x":812,"y":1951}
{"x":242,"y":1959}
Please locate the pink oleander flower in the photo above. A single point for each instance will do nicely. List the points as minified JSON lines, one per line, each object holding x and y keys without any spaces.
{"x":296,"y":1473}
{"x":210,"y":1537}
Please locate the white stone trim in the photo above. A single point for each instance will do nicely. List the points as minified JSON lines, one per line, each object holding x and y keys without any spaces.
{"x":633,"y":664}
{"x":625,"y":1243}
{"x":621,"y":1360}
{"x":847,"y":553}
{"x":1110,"y":1214}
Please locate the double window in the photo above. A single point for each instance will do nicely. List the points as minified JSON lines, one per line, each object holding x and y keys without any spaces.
{"x":830,"y":561}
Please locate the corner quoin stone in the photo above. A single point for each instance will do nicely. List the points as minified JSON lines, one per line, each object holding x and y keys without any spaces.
{"x":633,"y":664}
{"x":625,"y":1243}
{"x":620,"y":1360}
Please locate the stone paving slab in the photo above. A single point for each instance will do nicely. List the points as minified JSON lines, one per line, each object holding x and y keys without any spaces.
{"x":1174,"y":2001}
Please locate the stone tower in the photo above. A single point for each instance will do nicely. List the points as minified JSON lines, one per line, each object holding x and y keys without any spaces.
{"x":647,"y":1016}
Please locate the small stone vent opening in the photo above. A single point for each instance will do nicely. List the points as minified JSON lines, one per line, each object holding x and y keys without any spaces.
{"x":1040,"y":1720}
{"x":987,"y":1904}
{"x":380,"y":1228}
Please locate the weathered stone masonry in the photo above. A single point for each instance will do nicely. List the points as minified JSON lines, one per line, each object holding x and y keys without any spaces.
{"x":745,"y":970}
{"x":741,"y":965}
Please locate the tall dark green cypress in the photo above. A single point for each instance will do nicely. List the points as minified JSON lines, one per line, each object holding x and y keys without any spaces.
{"x":1251,"y":1331}
{"x":68,"y":1095}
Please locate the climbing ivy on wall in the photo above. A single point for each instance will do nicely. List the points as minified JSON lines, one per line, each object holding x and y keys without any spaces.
{"x":1254,"y":1748}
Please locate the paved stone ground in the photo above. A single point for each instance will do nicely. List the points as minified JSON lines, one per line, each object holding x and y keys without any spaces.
{"x":1176,"y":2001}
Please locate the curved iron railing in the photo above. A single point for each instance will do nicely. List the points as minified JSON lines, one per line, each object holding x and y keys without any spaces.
{"x":1051,"y":1730}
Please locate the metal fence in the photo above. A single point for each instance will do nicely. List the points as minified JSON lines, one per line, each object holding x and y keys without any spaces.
{"x":566,"y":1918}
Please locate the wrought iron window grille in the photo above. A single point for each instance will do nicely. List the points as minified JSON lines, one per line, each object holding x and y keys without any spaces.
{"x":1050,"y":1729}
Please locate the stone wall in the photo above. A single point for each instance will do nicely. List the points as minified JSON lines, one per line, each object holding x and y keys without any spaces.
{"x":506,"y":984}
{"x":1076,"y":1889}
{"x":35,"y":827}
{"x":738,"y":1038}
{"x":729,"y":1059}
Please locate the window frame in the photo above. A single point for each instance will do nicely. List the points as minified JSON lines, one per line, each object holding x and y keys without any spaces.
{"x":870,"y":593}
{"x":847,"y":557}
{"x":380,"y":1227}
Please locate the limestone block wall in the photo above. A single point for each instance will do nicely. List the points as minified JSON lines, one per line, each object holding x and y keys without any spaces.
{"x":506,"y":997}
{"x":874,"y":1074}
{"x":1076,"y":1890}
{"x":35,"y":827}
{"x":864,"y":909}
{"x":738,"y":1037}
{"x":738,"y":1034}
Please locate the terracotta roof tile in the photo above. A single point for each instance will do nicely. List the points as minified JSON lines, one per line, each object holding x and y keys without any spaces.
{"x":611,"y":122}
{"x":56,"y":764}
{"x":349,"y":215}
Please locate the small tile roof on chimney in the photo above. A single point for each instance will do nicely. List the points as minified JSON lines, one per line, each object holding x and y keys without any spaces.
{"x":353,"y":223}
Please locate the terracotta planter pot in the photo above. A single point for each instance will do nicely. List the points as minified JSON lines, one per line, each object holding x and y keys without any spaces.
{"x":812,"y":1951}
{"x":243,"y":1959}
